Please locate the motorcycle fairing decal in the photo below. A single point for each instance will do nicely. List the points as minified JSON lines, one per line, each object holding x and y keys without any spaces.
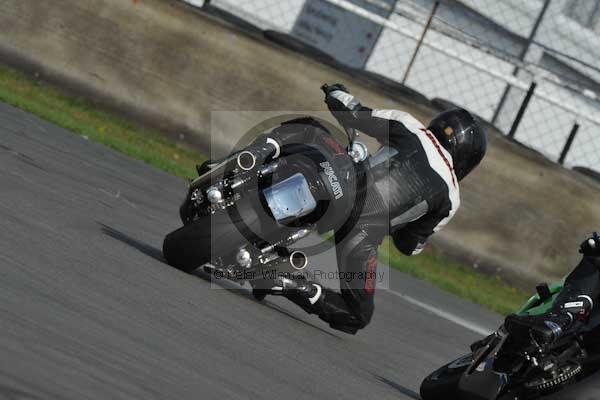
{"x":333,"y":180}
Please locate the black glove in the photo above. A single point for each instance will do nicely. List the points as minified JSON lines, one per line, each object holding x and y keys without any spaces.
{"x":591,"y":246}
{"x":335,"y":104}
{"x":336,"y":86}
{"x":340,"y":108}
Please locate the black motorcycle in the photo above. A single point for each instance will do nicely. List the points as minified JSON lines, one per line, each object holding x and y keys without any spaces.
{"x":504,"y":367}
{"x":242,"y":214}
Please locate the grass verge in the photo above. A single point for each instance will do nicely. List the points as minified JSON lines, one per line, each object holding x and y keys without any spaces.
{"x":82,"y":117}
{"x":489,"y":291}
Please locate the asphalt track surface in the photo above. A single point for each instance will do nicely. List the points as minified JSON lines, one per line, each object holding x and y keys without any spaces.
{"x":89,"y":309}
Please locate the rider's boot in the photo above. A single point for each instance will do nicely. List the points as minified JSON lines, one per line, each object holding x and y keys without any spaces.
{"x":547,"y":328}
{"x":329,"y":306}
{"x":305,"y":293}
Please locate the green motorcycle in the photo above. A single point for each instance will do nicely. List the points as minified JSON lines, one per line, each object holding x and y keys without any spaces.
{"x":503,"y":367}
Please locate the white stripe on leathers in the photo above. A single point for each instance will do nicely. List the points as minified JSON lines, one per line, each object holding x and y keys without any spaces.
{"x":436,"y":161}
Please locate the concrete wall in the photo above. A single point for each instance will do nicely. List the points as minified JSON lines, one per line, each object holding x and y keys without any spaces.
{"x":173,"y":66}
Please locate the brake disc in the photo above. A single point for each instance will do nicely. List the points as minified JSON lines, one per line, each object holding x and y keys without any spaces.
{"x":549,"y":384}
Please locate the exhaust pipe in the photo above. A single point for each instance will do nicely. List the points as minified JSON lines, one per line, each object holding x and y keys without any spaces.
{"x":246,"y":160}
{"x":298,"y":260}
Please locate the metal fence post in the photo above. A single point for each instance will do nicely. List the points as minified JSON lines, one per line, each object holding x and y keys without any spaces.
{"x":420,"y":42}
{"x":568,"y":143}
{"x":524,"y":104}
{"x":522,"y":55}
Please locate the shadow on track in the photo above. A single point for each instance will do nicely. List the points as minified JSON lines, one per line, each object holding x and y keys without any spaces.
{"x":402,"y":389}
{"x":232,"y":287}
{"x":148,"y":250}
{"x":285,"y":312}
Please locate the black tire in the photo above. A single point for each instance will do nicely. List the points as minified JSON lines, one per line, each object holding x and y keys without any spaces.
{"x":443,"y":383}
{"x":192,"y":245}
{"x":209,"y":237}
{"x":188,"y":247}
{"x":259,"y":294}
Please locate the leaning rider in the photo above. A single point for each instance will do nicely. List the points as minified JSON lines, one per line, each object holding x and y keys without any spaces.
{"x":415,"y":193}
{"x":574,"y":303}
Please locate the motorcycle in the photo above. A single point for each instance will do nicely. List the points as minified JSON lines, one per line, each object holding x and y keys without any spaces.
{"x":503,"y":367}
{"x":242,"y":214}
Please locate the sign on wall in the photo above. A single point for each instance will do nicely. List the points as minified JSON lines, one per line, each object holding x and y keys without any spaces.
{"x":346,"y":36}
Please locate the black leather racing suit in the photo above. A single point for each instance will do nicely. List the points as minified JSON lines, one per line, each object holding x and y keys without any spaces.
{"x":407,"y":189}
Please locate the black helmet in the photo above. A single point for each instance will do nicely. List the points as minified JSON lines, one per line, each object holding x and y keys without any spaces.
{"x":462,"y":136}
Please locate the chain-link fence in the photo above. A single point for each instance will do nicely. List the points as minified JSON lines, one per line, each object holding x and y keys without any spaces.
{"x":531,"y":67}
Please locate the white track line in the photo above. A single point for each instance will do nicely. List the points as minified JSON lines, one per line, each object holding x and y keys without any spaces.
{"x":443,"y":314}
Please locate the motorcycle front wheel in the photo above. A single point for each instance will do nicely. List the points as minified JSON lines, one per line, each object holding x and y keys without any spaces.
{"x":443,"y":383}
{"x":209,"y":237}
